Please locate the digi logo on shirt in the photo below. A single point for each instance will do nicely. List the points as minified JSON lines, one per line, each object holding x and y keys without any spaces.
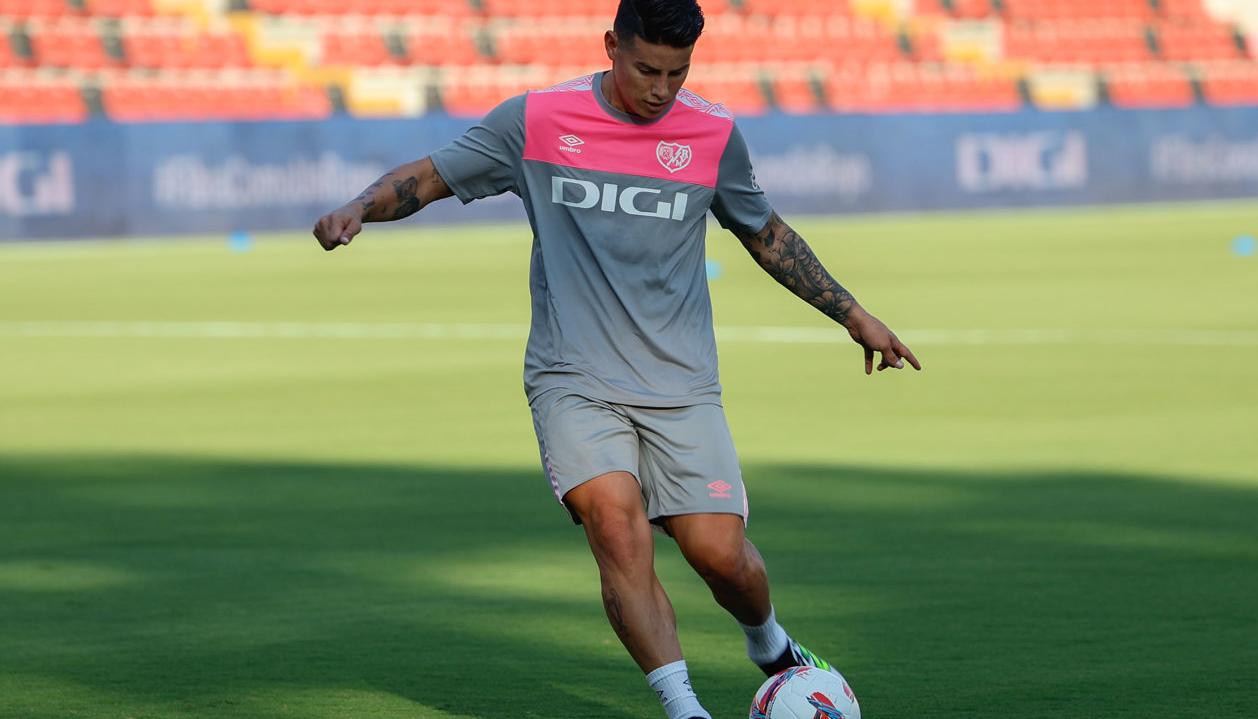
{"x":585,"y":195}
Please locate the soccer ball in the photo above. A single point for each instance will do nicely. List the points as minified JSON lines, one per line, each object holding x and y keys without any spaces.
{"x":805,"y":693}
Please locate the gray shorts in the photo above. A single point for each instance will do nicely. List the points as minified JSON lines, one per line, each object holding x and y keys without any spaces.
{"x":683,"y":457}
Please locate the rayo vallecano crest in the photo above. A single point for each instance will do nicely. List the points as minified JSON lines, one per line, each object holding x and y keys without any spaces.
{"x":672,"y":156}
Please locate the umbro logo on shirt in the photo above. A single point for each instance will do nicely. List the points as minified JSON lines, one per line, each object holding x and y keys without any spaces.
{"x":573,"y":144}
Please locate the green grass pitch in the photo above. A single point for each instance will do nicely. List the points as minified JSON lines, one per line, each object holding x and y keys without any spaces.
{"x":284,"y":483}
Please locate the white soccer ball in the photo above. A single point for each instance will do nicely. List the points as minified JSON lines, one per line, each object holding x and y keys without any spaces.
{"x":805,"y":693}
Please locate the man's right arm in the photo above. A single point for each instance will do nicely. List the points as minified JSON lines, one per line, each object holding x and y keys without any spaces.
{"x":400,"y":193}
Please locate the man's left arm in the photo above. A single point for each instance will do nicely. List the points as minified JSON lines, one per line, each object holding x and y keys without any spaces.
{"x":788,"y":259}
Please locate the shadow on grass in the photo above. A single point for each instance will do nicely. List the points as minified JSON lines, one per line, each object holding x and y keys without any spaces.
{"x":170,"y":587}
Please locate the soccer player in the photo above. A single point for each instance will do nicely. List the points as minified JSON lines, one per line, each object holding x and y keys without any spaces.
{"x":617,"y":172}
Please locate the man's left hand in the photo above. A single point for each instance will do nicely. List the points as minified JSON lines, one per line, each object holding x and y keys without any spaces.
{"x":869,"y":332}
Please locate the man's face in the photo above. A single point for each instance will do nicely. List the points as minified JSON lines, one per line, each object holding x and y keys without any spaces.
{"x":647,"y":76}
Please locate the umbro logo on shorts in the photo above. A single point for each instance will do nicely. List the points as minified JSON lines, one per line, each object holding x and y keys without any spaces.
{"x":720,"y":489}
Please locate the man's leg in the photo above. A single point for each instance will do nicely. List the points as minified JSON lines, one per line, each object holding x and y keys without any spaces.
{"x":717,"y":548}
{"x":610,"y":509}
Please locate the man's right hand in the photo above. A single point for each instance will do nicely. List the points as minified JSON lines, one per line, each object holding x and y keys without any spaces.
{"x":339,"y":226}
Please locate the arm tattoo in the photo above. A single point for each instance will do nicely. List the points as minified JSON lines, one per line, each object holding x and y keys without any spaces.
{"x":789,"y":260}
{"x":408,"y":203}
{"x":404,"y":202}
{"x":367,"y":198}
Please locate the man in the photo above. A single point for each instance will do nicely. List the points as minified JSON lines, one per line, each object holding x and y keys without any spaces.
{"x":617,"y":172}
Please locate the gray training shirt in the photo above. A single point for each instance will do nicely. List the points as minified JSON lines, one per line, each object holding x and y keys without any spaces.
{"x":618,"y":208}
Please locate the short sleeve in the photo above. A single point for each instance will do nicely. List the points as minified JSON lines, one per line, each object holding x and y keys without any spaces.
{"x":485,"y":160}
{"x":739,"y":204}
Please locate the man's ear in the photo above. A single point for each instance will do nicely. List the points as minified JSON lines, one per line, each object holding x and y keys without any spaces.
{"x":611,"y":44}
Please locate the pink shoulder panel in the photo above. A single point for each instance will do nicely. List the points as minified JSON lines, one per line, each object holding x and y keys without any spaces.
{"x":565,"y":125}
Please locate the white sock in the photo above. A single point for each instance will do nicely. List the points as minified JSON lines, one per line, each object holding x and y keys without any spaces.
{"x":766,"y":642}
{"x":672,"y":683}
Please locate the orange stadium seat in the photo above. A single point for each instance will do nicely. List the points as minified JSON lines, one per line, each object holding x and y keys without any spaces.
{"x":972,"y":9}
{"x":860,"y":41}
{"x":1229,"y":83}
{"x":474,"y":91}
{"x":1077,"y":9}
{"x":797,"y":7}
{"x":118,"y":8}
{"x":69,"y":43}
{"x":927,"y":45}
{"x":906,"y":87}
{"x":740,"y":95}
{"x":446,"y":46}
{"x":550,"y":8}
{"x":25,"y":99}
{"x":35,"y":8}
{"x":209,"y":96}
{"x":1149,"y":85}
{"x":523,"y":44}
{"x":178,"y":46}
{"x":456,"y":8}
{"x":1197,"y":41}
{"x":8,"y":58}
{"x":1074,"y":42}
{"x":1182,"y":9}
{"x":365,"y":48}
{"x":793,"y":92}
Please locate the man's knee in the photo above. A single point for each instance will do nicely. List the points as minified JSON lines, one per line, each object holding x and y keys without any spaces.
{"x":727,"y":562}
{"x":611,"y":511}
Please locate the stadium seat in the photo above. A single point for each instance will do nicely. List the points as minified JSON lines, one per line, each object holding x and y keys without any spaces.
{"x":217,"y":96}
{"x":22,"y":9}
{"x":29,"y":99}
{"x":362,"y":47}
{"x":473,"y":91}
{"x":448,"y":8}
{"x":69,"y":43}
{"x":450,"y":42}
{"x":737,"y":87}
{"x":1077,"y":9}
{"x":1183,"y":10}
{"x":1197,"y":41}
{"x":793,"y":92}
{"x":797,"y":7}
{"x":8,"y":57}
{"x":1148,"y":85}
{"x":1229,"y":83}
{"x":548,"y":8}
{"x":527,"y":43}
{"x":118,"y":8}
{"x":177,"y":44}
{"x":906,"y":87}
{"x":972,"y":9}
{"x":1078,"y":43}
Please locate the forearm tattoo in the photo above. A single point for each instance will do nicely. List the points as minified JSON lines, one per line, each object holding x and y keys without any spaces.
{"x":407,"y":201}
{"x":789,"y":260}
{"x":404,"y":201}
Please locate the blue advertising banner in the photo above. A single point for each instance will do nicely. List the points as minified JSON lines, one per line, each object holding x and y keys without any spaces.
{"x":105,"y":179}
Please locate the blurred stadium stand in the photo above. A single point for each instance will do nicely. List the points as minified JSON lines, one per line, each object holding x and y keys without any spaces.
{"x":64,"y":61}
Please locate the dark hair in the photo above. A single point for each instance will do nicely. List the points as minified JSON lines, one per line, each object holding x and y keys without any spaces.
{"x":676,"y":23}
